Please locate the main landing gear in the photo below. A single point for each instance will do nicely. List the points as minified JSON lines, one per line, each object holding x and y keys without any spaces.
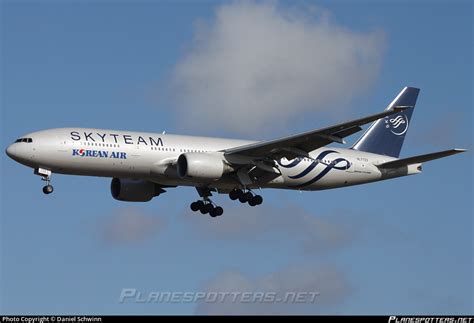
{"x":246,"y":197}
{"x":206,"y":206}
{"x":45,"y":176}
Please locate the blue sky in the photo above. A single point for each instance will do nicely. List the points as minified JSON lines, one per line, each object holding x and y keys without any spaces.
{"x":401,"y":246}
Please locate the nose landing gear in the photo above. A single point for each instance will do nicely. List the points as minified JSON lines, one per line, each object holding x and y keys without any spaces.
{"x":45,"y":176}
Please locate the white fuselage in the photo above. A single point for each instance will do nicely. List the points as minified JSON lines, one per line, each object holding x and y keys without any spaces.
{"x":149,"y":156}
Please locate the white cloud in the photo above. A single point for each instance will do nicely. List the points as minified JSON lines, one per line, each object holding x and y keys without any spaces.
{"x":257,"y":66}
{"x":328,"y":281}
{"x":130,"y":226}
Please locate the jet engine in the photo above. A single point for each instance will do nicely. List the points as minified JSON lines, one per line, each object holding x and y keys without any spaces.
{"x":131,"y":190}
{"x":202,"y":166}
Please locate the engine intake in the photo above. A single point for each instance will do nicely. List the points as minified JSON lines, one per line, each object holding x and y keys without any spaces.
{"x":202,"y":166}
{"x":131,"y":190}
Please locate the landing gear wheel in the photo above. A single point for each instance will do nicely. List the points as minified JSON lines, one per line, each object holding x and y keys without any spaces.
{"x":258,"y":199}
{"x":245,"y":197}
{"x":200,"y":204}
{"x":213,"y":212}
{"x":48,"y":189}
{"x":248,"y":196}
{"x":234,"y":194}
{"x":207,"y":208}
{"x":219,"y":211}
{"x":216,"y":211}
{"x":195,"y":206}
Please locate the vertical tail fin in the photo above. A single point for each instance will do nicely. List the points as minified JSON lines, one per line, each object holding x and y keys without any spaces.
{"x":385,"y":136}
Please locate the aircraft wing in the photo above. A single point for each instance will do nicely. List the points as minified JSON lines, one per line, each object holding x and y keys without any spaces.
{"x":301,"y":144}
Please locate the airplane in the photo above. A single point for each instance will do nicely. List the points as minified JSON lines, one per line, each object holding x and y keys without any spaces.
{"x":143,"y":165}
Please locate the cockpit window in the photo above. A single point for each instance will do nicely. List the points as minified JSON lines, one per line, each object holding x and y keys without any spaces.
{"x":28,"y":140}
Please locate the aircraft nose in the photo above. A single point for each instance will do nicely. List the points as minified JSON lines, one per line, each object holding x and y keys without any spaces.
{"x":11,"y":150}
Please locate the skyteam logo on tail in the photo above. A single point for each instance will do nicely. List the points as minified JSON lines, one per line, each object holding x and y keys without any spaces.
{"x":398,"y":125}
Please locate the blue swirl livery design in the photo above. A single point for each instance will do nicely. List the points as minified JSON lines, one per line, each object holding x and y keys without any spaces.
{"x":316,"y":174}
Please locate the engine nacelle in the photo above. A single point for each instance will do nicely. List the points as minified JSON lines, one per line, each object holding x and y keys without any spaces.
{"x":131,"y":190}
{"x":202,"y":166}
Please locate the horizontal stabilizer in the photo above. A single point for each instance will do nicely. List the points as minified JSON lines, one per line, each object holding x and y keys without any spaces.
{"x":420,"y":159}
